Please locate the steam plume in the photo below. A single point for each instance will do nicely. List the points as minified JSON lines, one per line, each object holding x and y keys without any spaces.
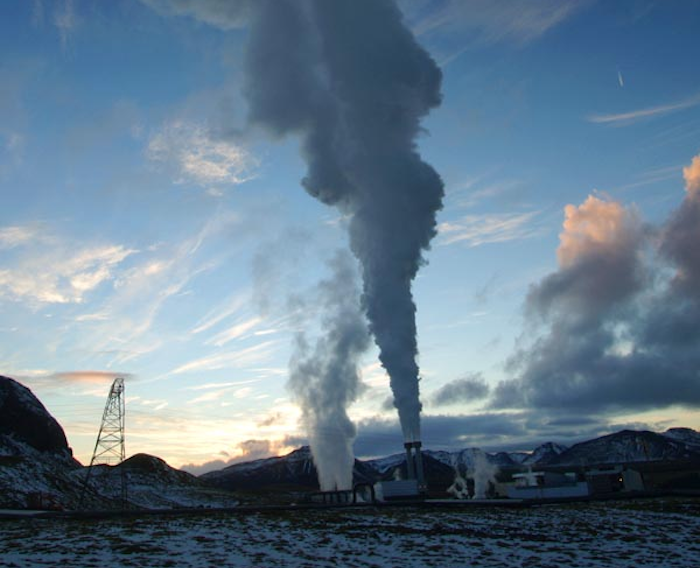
{"x":325,"y":379}
{"x":349,"y":78}
{"x":483,"y":472}
{"x":351,"y":81}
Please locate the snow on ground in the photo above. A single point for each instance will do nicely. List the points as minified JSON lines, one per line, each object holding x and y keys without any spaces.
{"x":658,"y":533}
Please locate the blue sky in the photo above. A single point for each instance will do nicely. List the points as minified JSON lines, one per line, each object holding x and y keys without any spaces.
{"x":146,"y":231}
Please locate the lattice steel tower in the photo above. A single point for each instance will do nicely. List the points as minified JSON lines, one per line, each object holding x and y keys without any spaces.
{"x":110,"y":448}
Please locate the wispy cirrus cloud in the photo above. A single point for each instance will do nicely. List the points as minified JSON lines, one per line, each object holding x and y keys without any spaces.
{"x":213,"y":395}
{"x":256,"y":354}
{"x":232,"y":305}
{"x":236,"y":331}
{"x":224,"y":15}
{"x":53,"y":273}
{"x":14,"y":236}
{"x":653,"y":176}
{"x":477,"y":230}
{"x":486,"y":192}
{"x":466,"y":24}
{"x":66,"y":20}
{"x":124,"y":324}
{"x":193,"y":156}
{"x":214,"y":386}
{"x":631,"y":117}
{"x":517,"y":21}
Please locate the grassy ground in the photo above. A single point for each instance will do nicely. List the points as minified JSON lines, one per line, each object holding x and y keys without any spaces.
{"x":659,"y":532}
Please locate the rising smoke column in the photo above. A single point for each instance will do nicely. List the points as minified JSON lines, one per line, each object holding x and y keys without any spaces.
{"x":325,"y":379}
{"x":349,"y":78}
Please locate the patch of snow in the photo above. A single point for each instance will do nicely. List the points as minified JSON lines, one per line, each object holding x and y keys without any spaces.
{"x":613,"y":535}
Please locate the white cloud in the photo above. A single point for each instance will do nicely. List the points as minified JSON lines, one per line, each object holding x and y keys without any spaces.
{"x":235,"y":359}
{"x":56,"y":275}
{"x":485,"y":193}
{"x":476,"y":230}
{"x":226,"y":15}
{"x":595,"y":227}
{"x":471,"y":23}
{"x":653,"y":176}
{"x":65,"y":20}
{"x":128,"y":317}
{"x":234,"y":332}
{"x":13,"y":146}
{"x":627,"y":118}
{"x":194,"y":157}
{"x":221,"y":312}
{"x":691,"y":174}
{"x":210,"y":386}
{"x":11,"y":237}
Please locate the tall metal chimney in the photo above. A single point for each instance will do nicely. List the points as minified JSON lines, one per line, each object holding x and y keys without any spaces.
{"x":420,"y":476}
{"x":410,"y":473}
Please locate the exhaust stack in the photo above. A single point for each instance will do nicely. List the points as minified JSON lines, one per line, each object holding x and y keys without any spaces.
{"x":410,"y":473}
{"x":414,"y":462}
{"x":419,"y":464}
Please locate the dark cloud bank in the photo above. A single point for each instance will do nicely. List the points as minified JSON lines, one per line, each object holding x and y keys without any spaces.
{"x":617,"y":326}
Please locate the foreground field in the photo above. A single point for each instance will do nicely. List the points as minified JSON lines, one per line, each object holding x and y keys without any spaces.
{"x":663,"y":533}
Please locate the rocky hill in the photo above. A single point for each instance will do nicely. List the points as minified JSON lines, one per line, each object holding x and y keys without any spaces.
{"x":152,"y":484}
{"x":25,"y":422}
{"x":37,"y":469}
{"x":35,"y":457}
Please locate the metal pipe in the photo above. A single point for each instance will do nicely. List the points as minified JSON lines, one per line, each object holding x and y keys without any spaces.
{"x":419,"y":464}
{"x":410,"y":473}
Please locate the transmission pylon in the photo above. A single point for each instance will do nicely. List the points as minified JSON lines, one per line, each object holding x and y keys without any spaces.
{"x":110,"y":448}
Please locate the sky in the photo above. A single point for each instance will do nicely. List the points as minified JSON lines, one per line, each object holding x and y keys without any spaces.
{"x":150,"y":229}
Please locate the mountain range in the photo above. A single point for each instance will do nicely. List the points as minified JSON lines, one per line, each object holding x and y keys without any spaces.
{"x":35,"y":459}
{"x":297,"y":470}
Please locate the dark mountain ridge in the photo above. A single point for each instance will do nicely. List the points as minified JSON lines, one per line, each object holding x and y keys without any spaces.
{"x":35,"y":457}
{"x":296,"y":469}
{"x":627,"y":446}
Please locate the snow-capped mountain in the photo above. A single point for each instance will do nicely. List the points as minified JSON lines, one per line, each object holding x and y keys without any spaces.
{"x":544,"y":454}
{"x":625,"y":447}
{"x":466,"y":459}
{"x":687,"y":436}
{"x":296,"y":470}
